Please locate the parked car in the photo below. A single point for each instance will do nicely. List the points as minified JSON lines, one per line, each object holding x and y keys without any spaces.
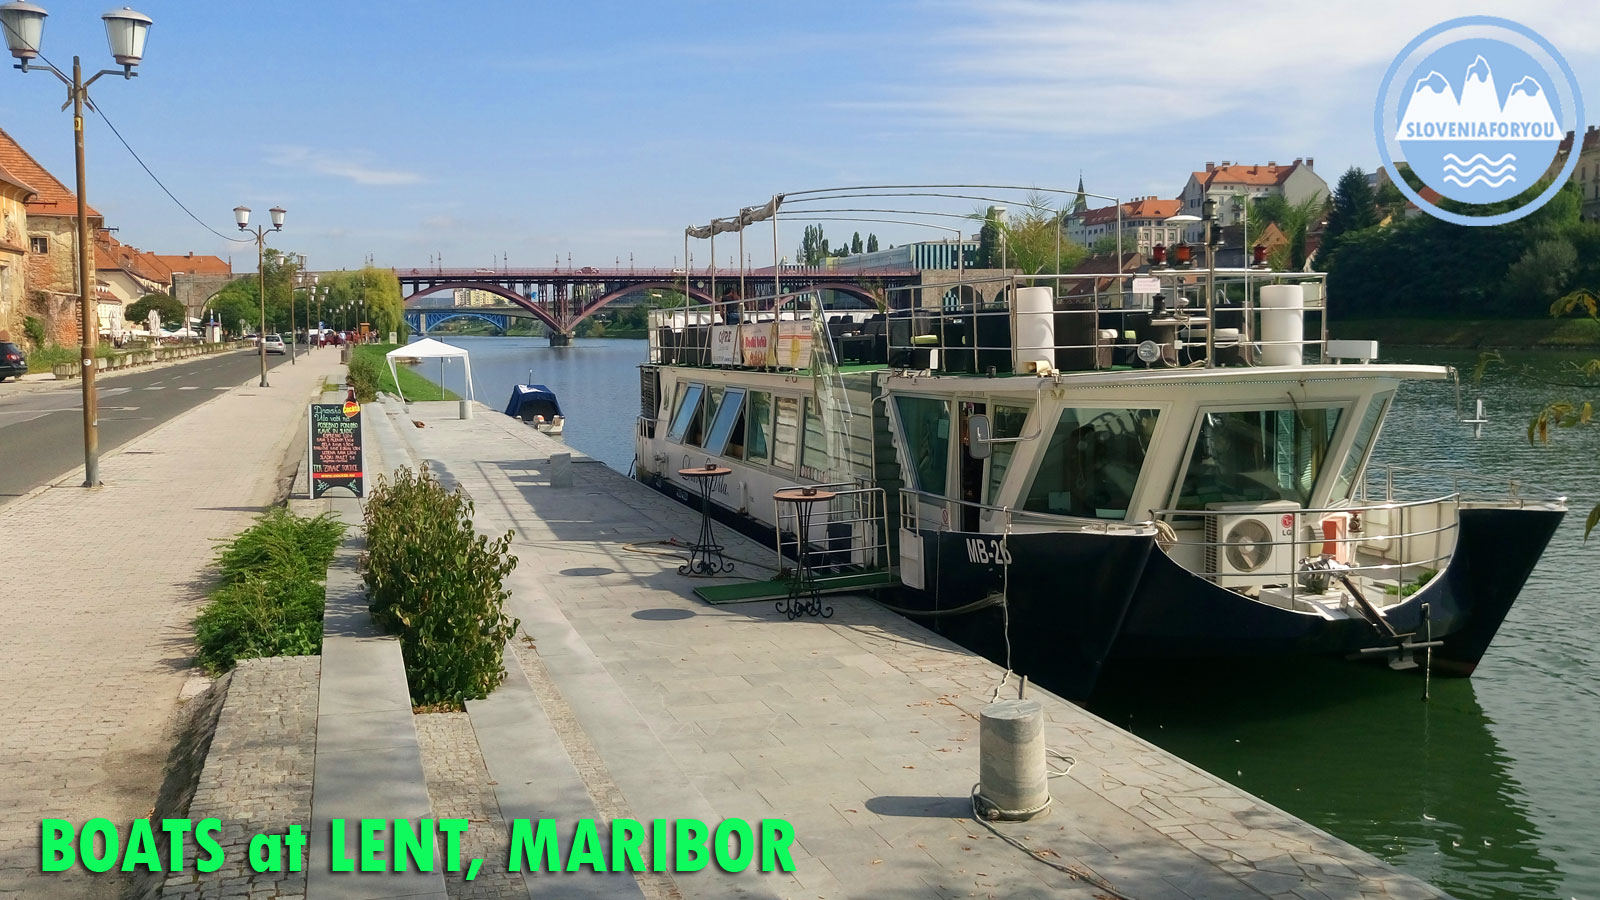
{"x":13,"y":363}
{"x":274,"y":343}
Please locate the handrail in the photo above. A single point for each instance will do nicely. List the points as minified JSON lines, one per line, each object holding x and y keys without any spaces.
{"x":1013,"y":514}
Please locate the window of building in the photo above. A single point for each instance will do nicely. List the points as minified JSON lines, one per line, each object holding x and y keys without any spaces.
{"x":1092,"y":463}
{"x":39,"y":244}
{"x":758,"y":428}
{"x":786,"y":432}
{"x":925,"y":425}
{"x":1258,"y":455}
{"x":687,"y":415}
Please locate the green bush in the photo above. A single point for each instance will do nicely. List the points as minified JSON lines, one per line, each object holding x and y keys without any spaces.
{"x":364,"y":377}
{"x":33,"y":327}
{"x":271,"y":595}
{"x":438,"y":584}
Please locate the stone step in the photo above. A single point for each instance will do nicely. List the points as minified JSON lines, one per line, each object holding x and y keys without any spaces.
{"x":534,"y":778}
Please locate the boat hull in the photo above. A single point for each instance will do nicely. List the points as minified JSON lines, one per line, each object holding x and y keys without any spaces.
{"x":1080,"y":602}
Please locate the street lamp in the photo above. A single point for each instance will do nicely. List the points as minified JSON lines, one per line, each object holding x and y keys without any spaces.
{"x":241,"y":214}
{"x":126,"y":30}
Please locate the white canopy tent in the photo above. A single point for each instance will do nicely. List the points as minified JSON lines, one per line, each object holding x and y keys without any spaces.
{"x":428,"y":348}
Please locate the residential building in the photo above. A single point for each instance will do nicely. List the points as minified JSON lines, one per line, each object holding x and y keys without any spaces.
{"x":1586,"y":174}
{"x":1144,"y":224}
{"x":475,"y":297}
{"x":51,"y":262}
{"x":14,"y":195}
{"x":1234,"y":186}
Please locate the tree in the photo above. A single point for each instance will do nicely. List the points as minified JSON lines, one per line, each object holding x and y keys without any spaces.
{"x":1390,"y":202}
{"x":813,"y":246}
{"x":1353,"y":209}
{"x":173,"y":315}
{"x":1541,"y":274}
{"x":989,"y":253}
{"x":872,"y":243}
{"x":1032,"y":240}
{"x":370,"y":295}
{"x":855,"y":243}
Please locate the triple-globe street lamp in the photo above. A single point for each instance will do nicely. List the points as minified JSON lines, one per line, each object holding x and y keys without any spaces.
{"x":241,"y":214}
{"x":126,"y":30}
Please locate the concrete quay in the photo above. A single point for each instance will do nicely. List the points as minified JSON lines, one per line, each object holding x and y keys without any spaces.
{"x":630,"y":698}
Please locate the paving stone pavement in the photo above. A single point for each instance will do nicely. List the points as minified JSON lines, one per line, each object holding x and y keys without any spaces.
{"x":458,"y":785}
{"x":100,"y":589}
{"x":257,"y":778}
{"x":860,"y":730}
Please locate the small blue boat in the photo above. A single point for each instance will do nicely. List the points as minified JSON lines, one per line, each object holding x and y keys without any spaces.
{"x":536,"y":405}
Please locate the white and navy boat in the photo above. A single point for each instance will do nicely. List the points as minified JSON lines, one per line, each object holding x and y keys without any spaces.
{"x":536,"y":405}
{"x":1162,"y":464}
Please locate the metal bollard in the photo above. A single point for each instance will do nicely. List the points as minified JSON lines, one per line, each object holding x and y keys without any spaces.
{"x":1013,"y":783}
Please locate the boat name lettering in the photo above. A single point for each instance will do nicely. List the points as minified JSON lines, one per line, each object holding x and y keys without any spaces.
{"x":989,"y":552}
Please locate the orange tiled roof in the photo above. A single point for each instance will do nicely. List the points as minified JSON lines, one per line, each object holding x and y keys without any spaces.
{"x":1143,"y":208}
{"x":1255,"y":175}
{"x":189,"y":264}
{"x":51,"y":197}
{"x":28,"y":192}
{"x":109,"y":253}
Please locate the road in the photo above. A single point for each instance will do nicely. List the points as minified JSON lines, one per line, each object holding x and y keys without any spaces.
{"x":41,"y":432}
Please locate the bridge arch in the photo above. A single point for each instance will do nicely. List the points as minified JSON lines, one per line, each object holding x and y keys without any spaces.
{"x":502,"y":292}
{"x":621,"y":292}
{"x":498,"y":321}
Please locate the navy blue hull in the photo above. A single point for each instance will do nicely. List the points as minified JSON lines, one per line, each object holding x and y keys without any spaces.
{"x":1178,"y":615}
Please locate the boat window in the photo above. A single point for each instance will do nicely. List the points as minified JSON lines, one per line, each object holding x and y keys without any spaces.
{"x":758,"y":427}
{"x":786,"y":434}
{"x":926,"y":427}
{"x":688,"y":406}
{"x":814,"y":454}
{"x":1365,"y":432}
{"x":696,"y":435}
{"x":1005,"y":422}
{"x":1258,"y":455}
{"x":1092,"y":463}
{"x":722,"y":425}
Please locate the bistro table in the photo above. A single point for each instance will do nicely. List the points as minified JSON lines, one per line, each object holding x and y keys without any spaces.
{"x":705,"y":554}
{"x":803,"y":599}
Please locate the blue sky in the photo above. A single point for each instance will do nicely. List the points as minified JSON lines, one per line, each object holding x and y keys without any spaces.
{"x":404,"y":130}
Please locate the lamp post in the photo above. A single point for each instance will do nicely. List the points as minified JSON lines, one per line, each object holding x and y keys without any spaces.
{"x":126,"y":30}
{"x":241,"y":214}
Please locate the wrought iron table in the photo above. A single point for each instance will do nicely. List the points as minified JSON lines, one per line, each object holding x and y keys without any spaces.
{"x":705,"y":554}
{"x":803,"y":599}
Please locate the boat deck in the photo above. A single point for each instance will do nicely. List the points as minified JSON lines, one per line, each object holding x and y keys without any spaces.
{"x":859,"y":730}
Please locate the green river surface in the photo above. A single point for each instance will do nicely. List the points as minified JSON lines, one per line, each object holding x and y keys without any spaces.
{"x":1488,"y":790}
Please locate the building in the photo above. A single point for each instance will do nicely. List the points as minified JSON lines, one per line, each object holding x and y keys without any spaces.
{"x":1144,"y":224}
{"x":125,"y":274}
{"x":51,"y":261}
{"x":920,"y":256}
{"x":1234,"y":186}
{"x":14,"y":195}
{"x":1586,"y":174}
{"x":475,"y":297}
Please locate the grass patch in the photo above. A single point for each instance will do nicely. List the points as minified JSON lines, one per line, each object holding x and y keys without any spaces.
{"x":270,"y":599}
{"x":413,"y":384}
{"x":1474,"y":334}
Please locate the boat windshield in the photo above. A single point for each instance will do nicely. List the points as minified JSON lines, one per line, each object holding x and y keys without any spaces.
{"x":1258,"y":455}
{"x":1092,"y":464}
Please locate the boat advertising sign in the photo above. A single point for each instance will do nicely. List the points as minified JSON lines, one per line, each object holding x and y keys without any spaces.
{"x":794,"y":345}
{"x":758,"y":343}
{"x":725,"y":345}
{"x":335,"y":453}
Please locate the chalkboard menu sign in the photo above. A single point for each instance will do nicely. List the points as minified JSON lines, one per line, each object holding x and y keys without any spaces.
{"x":336,"y":457}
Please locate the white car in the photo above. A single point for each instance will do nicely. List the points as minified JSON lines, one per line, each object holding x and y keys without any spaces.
{"x":274,"y":344}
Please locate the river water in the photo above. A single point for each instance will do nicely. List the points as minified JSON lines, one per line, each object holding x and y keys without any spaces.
{"x":1488,"y":790}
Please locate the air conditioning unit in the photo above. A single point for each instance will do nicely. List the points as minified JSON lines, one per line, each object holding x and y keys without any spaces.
{"x":1251,"y":544}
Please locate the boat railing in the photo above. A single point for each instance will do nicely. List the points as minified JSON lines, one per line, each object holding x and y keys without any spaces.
{"x":849,"y":531}
{"x":921,"y":511}
{"x":1302,"y":551}
{"x":1393,"y":482}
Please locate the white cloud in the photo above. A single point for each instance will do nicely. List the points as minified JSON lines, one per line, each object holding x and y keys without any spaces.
{"x":322,"y":163}
{"x":1103,"y":67}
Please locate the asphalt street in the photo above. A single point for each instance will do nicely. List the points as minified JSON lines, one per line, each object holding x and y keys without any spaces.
{"x":41,"y":432}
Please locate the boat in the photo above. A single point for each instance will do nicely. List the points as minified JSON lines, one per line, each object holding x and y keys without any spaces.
{"x":1160,"y":462}
{"x":536,"y":405}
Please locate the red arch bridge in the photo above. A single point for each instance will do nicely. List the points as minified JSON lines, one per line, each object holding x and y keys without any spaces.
{"x":563,"y":297}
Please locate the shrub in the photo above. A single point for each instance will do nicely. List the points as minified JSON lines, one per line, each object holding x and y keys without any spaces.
{"x":438,"y":584}
{"x":364,"y":376}
{"x":271,"y":596}
{"x":33,"y":327}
